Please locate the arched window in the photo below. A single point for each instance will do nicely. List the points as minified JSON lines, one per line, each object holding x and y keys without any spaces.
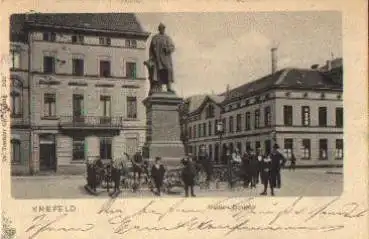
{"x":16,"y":97}
{"x":15,"y":151}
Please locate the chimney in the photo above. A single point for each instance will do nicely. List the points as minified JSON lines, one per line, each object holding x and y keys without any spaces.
{"x":274,"y":59}
{"x":227,"y":91}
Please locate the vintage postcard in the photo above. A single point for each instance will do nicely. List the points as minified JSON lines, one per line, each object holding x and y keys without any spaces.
{"x":218,"y":119}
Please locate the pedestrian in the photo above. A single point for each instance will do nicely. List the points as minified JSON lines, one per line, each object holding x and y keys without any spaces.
{"x":278,"y":160}
{"x":137,"y":164}
{"x":91,"y":174}
{"x":254,"y":168}
{"x":245,"y":169}
{"x":293,"y":162}
{"x":267,"y":175}
{"x":157,"y":174}
{"x":260,"y":168}
{"x":116,"y":172}
{"x":188,"y":176}
{"x":206,"y":164}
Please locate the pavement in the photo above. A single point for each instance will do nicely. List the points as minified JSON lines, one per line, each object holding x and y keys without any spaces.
{"x":301,"y":182}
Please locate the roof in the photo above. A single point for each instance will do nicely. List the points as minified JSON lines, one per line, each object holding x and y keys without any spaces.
{"x":195,"y":101}
{"x":104,"y":22}
{"x":292,"y":78}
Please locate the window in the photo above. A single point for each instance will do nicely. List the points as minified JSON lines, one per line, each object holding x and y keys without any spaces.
{"x":105,"y":104}
{"x":267,"y":146}
{"x":15,"y":59}
{"x":49,"y":36}
{"x":199,"y":131}
{"x":189,"y":132}
{"x":267,"y":117}
{"x":105,"y":41}
{"x":210,"y":111}
{"x":230,"y":124}
{"x":239,"y":146}
{"x":248,"y":121}
{"x":78,"y":148}
{"x":132,"y":107}
{"x":210,"y":128}
{"x":105,"y":68}
{"x":105,"y":148}
{"x":78,"y":39}
{"x":257,"y":146}
{"x":238,"y":122}
{"x":131,"y":70}
{"x":339,"y":149}
{"x":339,"y":117}
{"x":77,"y":107}
{"x":204,"y":129}
{"x":288,"y":115}
{"x":78,"y":67}
{"x":288,"y":147}
{"x":49,"y":105}
{"x":224,"y":121}
{"x":305,"y":115}
{"x":15,"y":104}
{"x":257,"y":119}
{"x":323,"y":154}
{"x":306,"y":149}
{"x":16,"y":151}
{"x":322,"y":116}
{"x":248,"y":146}
{"x":49,"y":64}
{"x":216,"y":127}
{"x":194,"y":131}
{"x":131,"y":43}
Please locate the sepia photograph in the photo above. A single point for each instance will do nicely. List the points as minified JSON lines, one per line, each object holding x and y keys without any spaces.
{"x":192,"y":104}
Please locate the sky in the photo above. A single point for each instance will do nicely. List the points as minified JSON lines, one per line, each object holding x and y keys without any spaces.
{"x":216,"y":49}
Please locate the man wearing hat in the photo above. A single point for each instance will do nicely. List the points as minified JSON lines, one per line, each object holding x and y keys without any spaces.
{"x":160,"y":51}
{"x":277,"y":161}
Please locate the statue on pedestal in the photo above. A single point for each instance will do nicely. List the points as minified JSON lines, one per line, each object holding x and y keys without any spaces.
{"x":159,"y":64}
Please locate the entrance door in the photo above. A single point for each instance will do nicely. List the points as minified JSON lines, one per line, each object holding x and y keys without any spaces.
{"x":47,"y":153}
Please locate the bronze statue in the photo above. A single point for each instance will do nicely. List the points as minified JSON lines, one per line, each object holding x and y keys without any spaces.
{"x":159,"y":64}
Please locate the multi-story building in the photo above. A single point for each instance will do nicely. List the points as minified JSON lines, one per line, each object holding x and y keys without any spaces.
{"x":78,"y":82}
{"x":299,"y":109}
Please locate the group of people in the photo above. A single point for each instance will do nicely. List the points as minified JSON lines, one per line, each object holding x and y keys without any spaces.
{"x":253,"y":166}
{"x":256,"y":167}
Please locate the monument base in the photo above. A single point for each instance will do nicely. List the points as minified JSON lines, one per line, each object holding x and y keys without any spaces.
{"x":163,"y":137}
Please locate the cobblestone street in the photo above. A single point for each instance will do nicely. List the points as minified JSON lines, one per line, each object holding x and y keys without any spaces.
{"x":302,"y":182}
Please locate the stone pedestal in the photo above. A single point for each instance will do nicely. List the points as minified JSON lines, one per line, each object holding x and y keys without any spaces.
{"x":163,"y":136}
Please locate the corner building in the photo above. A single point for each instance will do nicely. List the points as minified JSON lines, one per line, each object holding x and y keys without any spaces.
{"x":299,"y":109}
{"x":78,"y":83}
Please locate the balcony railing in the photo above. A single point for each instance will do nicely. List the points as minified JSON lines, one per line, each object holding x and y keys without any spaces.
{"x":19,"y":120}
{"x":90,"y":122}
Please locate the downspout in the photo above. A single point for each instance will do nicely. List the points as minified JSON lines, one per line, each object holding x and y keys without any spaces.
{"x":30,"y":161}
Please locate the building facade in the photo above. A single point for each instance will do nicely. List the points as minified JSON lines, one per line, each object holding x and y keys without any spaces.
{"x":78,"y":83}
{"x":299,"y":109}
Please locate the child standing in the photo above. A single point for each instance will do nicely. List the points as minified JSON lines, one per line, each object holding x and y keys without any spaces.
{"x":188,"y":176}
{"x":157,"y":174}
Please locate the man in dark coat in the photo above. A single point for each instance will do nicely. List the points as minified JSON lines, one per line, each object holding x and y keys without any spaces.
{"x":267,"y":175}
{"x":277,"y":161}
{"x":91,"y":175}
{"x":254,"y":168}
{"x":188,"y":176}
{"x":246,"y":169}
{"x":137,"y":166}
{"x":157,"y":174}
{"x":293,"y":162}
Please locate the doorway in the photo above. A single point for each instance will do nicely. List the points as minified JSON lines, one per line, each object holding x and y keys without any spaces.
{"x":47,"y":152}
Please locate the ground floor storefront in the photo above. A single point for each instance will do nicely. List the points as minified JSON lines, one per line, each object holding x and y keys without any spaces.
{"x":308,"y":149}
{"x":38,"y":151}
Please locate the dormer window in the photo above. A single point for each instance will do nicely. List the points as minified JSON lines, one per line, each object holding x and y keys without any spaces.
{"x":210,"y":111}
{"x":49,"y":36}
{"x":322,"y":96}
{"x":105,"y":41}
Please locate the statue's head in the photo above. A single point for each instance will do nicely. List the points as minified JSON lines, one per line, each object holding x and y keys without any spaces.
{"x":161,"y":28}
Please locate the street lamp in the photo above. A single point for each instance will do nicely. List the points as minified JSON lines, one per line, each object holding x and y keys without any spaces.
{"x":220,"y":131}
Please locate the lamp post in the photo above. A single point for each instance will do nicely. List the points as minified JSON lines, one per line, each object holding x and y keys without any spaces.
{"x":220,"y":131}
